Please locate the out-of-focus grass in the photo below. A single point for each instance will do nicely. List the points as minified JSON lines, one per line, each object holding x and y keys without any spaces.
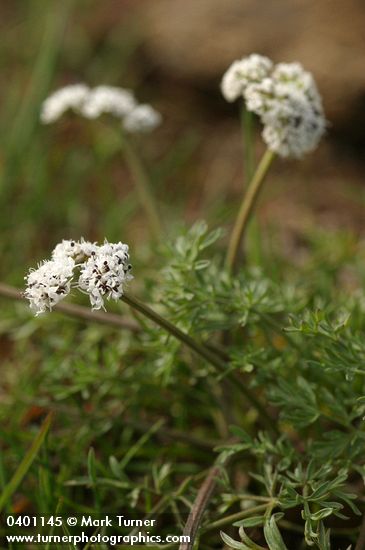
{"x":10,"y":488}
{"x":20,"y":146}
{"x":57,"y":182}
{"x":68,"y":179}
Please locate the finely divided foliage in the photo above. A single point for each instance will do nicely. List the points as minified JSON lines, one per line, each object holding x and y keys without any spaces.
{"x":271,"y":368}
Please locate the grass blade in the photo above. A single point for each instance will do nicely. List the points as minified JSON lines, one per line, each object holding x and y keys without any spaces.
{"x":26,"y":463}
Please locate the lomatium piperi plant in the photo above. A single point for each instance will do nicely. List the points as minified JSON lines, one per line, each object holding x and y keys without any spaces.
{"x":134,"y":118}
{"x":286,"y":99}
{"x":283,"y":355}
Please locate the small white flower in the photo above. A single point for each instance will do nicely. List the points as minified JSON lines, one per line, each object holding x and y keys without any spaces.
{"x":92,"y":103}
{"x":69,"y":97}
{"x":260,"y":96}
{"x":290,"y":108}
{"x":291,"y":76}
{"x":242,"y":73}
{"x":293,"y":127}
{"x":77,"y":250}
{"x":143,"y":118}
{"x":105,"y":274}
{"x":49,"y":284}
{"x":108,"y":99}
{"x":286,"y":99}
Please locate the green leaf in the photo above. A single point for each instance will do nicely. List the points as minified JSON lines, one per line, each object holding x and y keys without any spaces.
{"x":212,"y":237}
{"x":250,"y":522}
{"x":242,"y":434}
{"x":231,"y":543}
{"x":201,"y":264}
{"x":348,"y":498}
{"x":26,"y":463}
{"x":273,"y":536}
{"x":324,"y":489}
{"x":250,"y":543}
{"x":324,"y":538}
{"x":132,"y":451}
{"x":321,"y":514}
{"x":91,"y":466}
{"x":114,"y":466}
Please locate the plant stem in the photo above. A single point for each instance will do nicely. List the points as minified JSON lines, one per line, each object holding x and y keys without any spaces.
{"x":79,"y":312}
{"x":174,"y":330}
{"x":143,"y":186}
{"x":237,"y":517}
{"x":202,"y":499}
{"x":247,"y":206}
{"x":360,"y":543}
{"x":170,"y":434}
{"x":118,"y":321}
{"x":202,"y":351}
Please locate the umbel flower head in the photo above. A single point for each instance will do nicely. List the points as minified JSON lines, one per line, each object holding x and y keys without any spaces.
{"x":77,"y":250}
{"x":286,"y":99}
{"x":70,"y":97}
{"x":101,"y":271}
{"x":105,"y":273}
{"x":243,"y":72}
{"x":49,"y":283}
{"x":94,"y":102}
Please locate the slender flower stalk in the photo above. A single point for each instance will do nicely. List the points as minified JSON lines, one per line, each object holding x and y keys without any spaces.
{"x":102,"y":272}
{"x":134,"y":118}
{"x":200,"y":350}
{"x":174,"y":331}
{"x":286,"y":99}
{"x":143,"y":186}
{"x":246,"y":209}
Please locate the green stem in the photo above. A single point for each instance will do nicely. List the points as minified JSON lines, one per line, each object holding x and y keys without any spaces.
{"x":174,"y":330}
{"x":228,"y":520}
{"x":247,"y":206}
{"x":360,"y":543}
{"x":142,"y":184}
{"x":200,"y":350}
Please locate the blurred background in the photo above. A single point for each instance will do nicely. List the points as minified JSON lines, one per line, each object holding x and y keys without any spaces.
{"x":69,"y":179}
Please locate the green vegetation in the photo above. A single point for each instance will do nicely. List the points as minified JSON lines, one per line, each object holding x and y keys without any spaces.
{"x":271,"y":430}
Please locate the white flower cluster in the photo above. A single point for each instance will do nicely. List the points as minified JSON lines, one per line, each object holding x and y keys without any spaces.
{"x":244,"y":72}
{"x":103,"y":272}
{"x":286,"y":99}
{"x":77,"y":250}
{"x":93,"y":102}
{"x":49,"y":284}
{"x":108,"y":100}
{"x":70,"y":97}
